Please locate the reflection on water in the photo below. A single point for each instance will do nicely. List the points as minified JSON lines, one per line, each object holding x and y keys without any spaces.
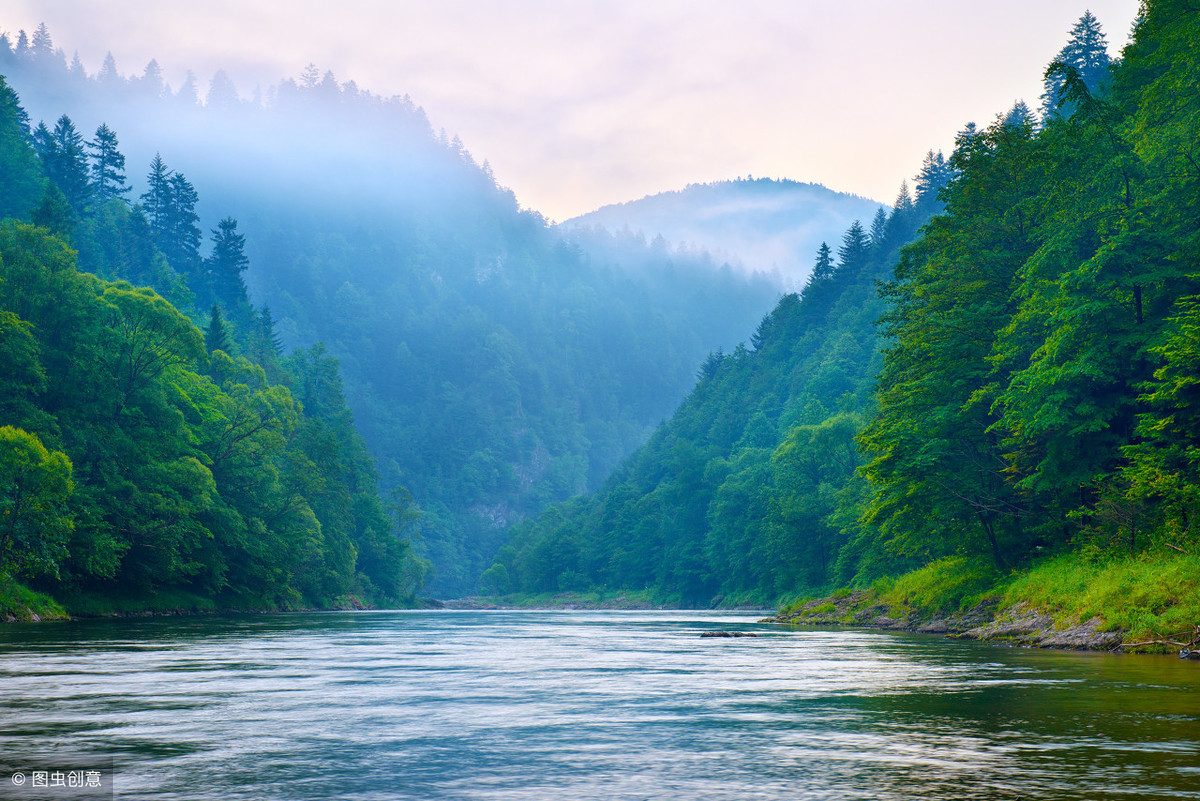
{"x":588,"y":705}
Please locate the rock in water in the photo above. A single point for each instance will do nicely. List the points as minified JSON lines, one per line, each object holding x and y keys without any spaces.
{"x":728,"y":634}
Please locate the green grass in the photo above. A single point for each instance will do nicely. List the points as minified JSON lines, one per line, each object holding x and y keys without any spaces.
{"x":1154,"y":598}
{"x":952,"y":584}
{"x":22,"y":603}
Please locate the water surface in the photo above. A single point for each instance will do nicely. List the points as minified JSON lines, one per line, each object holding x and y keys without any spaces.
{"x":588,"y":705}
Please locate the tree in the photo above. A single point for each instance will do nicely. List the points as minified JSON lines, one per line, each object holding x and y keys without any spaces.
{"x":823,"y":267}
{"x":20,"y":175}
{"x":854,"y":249}
{"x":1086,"y":52}
{"x":227,"y":263}
{"x":156,"y":200}
{"x":933,"y":176}
{"x":1019,"y":116}
{"x":65,"y":161}
{"x":35,"y":524}
{"x":222,"y":94}
{"x":54,"y":213}
{"x":108,"y":165}
{"x":879,"y":230}
{"x":181,"y":234}
{"x":216,"y":335}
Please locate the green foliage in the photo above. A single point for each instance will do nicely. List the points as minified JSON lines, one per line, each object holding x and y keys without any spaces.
{"x":1155,"y":595}
{"x":193,"y":474}
{"x":952,"y":584}
{"x":1037,"y":392}
{"x":35,"y":521}
{"x":20,"y":172}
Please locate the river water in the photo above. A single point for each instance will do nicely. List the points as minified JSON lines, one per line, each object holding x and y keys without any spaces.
{"x":587,"y":705}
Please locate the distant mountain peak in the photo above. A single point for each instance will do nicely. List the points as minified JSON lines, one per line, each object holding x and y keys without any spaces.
{"x":759,"y":224}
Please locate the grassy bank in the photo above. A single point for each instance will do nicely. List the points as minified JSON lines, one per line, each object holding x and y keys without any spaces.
{"x":1155,"y":601}
{"x":18,"y":602}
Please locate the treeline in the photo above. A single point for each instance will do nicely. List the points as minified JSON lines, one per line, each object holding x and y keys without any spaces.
{"x":494,"y":365}
{"x":1032,"y":388}
{"x":144,"y":461}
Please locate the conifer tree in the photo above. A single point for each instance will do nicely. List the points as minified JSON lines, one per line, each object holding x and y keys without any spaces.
{"x":227,"y":263}
{"x":65,"y":161}
{"x":181,"y":244}
{"x":1086,"y":52}
{"x":157,"y":197}
{"x":855,"y":247}
{"x":108,"y":165}
{"x":216,"y":334}
{"x":823,"y":268}
{"x":879,"y":229}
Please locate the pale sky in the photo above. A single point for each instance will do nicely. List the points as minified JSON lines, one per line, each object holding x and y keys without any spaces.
{"x":579,"y":103}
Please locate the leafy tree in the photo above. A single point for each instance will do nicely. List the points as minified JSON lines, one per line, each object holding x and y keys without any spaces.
{"x":34,"y":519}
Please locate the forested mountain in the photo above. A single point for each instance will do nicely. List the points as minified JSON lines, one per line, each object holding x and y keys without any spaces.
{"x":761,"y":224}
{"x":1031,"y":391}
{"x":735,"y":497}
{"x":492,"y":364}
{"x":144,"y":461}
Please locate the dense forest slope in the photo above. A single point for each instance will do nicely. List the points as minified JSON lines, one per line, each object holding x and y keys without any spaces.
{"x":1031,"y":394}
{"x":144,"y":462}
{"x":492,"y":364}
{"x":758,"y":223}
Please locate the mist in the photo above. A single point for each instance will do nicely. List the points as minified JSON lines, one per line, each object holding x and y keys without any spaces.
{"x":492,"y":365}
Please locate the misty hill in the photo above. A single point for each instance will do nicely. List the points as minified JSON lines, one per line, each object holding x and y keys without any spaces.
{"x":766,"y":225}
{"x":492,"y":366}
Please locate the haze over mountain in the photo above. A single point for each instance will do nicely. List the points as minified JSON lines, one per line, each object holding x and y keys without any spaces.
{"x":492,"y":365}
{"x":759,"y":224}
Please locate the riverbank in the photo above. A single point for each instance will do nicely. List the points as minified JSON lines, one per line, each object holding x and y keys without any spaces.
{"x":1071,"y":602}
{"x":19,"y":604}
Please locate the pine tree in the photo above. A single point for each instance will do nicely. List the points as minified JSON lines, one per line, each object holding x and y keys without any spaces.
{"x":157,"y":197}
{"x":182,"y":234}
{"x":265,"y":347}
{"x":108,"y":165}
{"x":227,"y":263}
{"x":855,"y":247}
{"x":933,"y":176}
{"x":222,"y":94}
{"x":151,"y":83}
{"x":1019,"y":116}
{"x":65,"y":161}
{"x":1086,"y":52}
{"x":216,"y":334}
{"x":42,"y":47}
{"x":879,"y":229}
{"x":108,"y":77}
{"x":823,"y":268}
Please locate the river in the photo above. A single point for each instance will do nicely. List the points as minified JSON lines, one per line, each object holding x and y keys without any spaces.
{"x":586,"y":705}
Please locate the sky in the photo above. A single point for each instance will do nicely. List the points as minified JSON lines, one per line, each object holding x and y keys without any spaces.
{"x":588,"y":102}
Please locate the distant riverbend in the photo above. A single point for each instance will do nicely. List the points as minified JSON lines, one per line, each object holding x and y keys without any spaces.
{"x":466,"y":704}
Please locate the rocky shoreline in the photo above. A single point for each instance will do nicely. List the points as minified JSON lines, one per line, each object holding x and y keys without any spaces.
{"x":1020,"y":625}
